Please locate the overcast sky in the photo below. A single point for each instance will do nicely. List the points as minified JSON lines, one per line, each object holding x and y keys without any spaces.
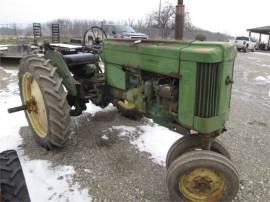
{"x":228,"y":16}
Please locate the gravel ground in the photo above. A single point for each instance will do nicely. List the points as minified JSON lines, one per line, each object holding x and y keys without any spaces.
{"x":112,"y":168}
{"x":248,"y":135}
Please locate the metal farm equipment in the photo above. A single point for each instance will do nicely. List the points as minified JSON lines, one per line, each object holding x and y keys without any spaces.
{"x":182,"y":85}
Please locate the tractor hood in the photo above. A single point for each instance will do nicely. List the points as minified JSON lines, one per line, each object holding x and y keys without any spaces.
{"x":164,"y":56}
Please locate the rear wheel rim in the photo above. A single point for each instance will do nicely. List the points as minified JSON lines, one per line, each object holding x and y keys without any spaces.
{"x":36,"y":110}
{"x":202,"y":184}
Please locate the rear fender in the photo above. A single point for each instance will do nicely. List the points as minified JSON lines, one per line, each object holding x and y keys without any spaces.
{"x":63,"y":71}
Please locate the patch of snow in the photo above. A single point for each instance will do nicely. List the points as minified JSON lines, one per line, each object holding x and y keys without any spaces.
{"x":9,"y":71}
{"x":125,"y":131}
{"x":44,"y":182}
{"x":262,"y":79}
{"x":261,"y":53}
{"x":92,"y":108}
{"x":10,"y":123}
{"x":254,"y":58}
{"x":87,"y":171}
{"x":105,"y":137}
{"x":155,"y":140}
{"x":264,"y":65}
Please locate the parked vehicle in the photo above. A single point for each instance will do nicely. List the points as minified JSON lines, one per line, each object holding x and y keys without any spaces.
{"x":122,"y":31}
{"x":245,"y":43}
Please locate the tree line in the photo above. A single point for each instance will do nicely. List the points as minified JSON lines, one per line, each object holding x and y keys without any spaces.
{"x":159,"y":24}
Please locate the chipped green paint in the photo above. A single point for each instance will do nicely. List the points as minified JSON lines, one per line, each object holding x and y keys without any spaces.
{"x":180,"y":60}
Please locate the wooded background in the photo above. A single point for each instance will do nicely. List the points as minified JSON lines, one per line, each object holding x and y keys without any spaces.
{"x":159,"y":24}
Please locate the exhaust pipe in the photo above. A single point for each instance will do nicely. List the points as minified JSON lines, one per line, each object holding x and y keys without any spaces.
{"x":179,"y":20}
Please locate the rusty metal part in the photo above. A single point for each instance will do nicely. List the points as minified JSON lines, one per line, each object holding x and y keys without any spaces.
{"x":202,"y":184}
{"x":31,"y":105}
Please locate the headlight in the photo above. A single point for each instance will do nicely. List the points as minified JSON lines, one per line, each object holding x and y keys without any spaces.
{"x":244,"y":42}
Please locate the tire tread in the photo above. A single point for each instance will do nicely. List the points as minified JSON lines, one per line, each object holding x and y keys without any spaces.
{"x":12,"y":181}
{"x":54,"y":98}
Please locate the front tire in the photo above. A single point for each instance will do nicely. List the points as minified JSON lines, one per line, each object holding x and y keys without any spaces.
{"x":190,"y":143}
{"x":47,"y":108}
{"x":202,"y":176}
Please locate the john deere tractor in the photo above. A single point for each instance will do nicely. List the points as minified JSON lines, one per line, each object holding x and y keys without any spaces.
{"x":182,"y":85}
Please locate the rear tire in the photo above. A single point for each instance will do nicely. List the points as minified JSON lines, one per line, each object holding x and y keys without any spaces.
{"x":51,"y":126}
{"x":12,"y":182}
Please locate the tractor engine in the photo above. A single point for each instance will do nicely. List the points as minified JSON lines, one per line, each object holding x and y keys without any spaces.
{"x":185,"y":86}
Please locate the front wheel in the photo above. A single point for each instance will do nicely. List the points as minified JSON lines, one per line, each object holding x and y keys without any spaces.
{"x":201,"y":176}
{"x":190,"y":143}
{"x":47,"y":110}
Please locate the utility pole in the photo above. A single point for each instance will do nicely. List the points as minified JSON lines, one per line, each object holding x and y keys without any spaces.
{"x":179,"y":20}
{"x":159,"y":12}
{"x":15,"y":29}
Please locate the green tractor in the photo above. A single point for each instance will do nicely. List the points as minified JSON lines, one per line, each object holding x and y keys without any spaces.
{"x":182,"y":85}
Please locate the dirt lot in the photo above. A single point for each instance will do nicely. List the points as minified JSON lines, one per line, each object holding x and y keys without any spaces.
{"x":111,"y":166}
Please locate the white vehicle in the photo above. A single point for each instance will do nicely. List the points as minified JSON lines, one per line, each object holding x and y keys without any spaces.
{"x":245,"y":43}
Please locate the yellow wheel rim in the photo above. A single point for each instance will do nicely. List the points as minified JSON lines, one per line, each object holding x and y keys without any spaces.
{"x":126,"y":104}
{"x":36,"y":110}
{"x":202,"y":185}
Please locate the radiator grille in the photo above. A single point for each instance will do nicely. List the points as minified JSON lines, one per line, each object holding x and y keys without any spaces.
{"x":207,"y":90}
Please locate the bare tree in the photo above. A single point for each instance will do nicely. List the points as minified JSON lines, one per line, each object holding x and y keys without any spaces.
{"x":164,"y":19}
{"x":130,"y":22}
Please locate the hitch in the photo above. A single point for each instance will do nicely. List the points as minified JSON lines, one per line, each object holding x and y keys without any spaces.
{"x":17,"y":109}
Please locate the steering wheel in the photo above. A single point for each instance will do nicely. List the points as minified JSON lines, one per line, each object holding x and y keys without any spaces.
{"x":94,"y":36}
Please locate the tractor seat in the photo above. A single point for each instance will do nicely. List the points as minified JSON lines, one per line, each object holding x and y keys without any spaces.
{"x":81,"y":59}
